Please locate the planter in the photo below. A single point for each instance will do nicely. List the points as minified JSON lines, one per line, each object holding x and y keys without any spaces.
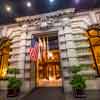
{"x":13,"y":92}
{"x":78,"y":81}
{"x":14,"y":84}
{"x":79,"y":93}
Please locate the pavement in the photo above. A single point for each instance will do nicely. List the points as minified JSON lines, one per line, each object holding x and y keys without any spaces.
{"x":55,"y":93}
{"x":51,"y":93}
{"x":46,"y":93}
{"x":3,"y":96}
{"x":89,"y":95}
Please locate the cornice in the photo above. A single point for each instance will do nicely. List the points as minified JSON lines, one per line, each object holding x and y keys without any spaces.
{"x":47,"y":20}
{"x":46,"y":16}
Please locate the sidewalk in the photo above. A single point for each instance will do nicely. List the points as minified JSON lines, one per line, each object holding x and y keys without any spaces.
{"x":90,"y":95}
{"x":3,"y":96}
{"x":46,"y":93}
{"x":50,"y":94}
{"x":57,"y":94}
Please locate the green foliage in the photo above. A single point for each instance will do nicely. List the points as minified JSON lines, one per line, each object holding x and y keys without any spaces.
{"x":78,"y":68}
{"x":14,"y":83}
{"x":13,"y":71}
{"x":78,"y":81}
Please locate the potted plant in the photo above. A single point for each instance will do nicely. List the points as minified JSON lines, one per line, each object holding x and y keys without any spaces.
{"x":13,"y":71}
{"x":14,"y":84}
{"x":78,"y":81}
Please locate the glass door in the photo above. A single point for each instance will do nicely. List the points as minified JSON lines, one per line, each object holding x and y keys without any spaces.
{"x":48,"y":66}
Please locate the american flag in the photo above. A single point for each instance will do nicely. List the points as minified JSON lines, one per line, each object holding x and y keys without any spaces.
{"x":34,"y":49}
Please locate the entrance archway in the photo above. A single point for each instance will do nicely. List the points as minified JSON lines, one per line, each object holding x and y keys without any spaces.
{"x":48,"y":69}
{"x":4,"y":55}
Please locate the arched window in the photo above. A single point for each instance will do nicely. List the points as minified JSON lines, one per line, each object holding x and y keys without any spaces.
{"x":93,"y":34}
{"x":4,"y":55}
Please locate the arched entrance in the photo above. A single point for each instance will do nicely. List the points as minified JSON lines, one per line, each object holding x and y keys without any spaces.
{"x":4,"y":55}
{"x":93,"y":34}
{"x":48,"y":69}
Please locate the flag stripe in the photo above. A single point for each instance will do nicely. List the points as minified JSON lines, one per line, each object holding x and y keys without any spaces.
{"x":33,"y":51}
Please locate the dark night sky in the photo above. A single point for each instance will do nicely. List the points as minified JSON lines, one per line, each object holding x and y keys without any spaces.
{"x":41,"y":6}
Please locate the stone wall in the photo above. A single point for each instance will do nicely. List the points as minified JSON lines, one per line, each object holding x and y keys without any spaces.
{"x":73,"y":44}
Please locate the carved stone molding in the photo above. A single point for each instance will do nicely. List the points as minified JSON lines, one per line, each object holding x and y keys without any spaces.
{"x":47,"y":20}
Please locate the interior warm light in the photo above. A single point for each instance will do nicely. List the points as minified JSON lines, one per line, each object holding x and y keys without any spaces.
{"x":51,"y":78}
{"x":93,"y":32}
{"x":50,"y":55}
{"x":3,"y":72}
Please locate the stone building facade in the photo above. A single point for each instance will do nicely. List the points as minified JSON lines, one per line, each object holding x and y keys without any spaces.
{"x":73,"y":43}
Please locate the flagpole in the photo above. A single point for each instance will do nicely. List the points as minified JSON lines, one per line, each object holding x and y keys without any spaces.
{"x":47,"y":57}
{"x":43,"y":57}
{"x":32,"y":65}
{"x":37,"y":65}
{"x":37,"y":73}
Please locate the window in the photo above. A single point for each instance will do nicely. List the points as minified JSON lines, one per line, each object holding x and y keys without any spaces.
{"x":4,"y":55}
{"x":93,"y":34}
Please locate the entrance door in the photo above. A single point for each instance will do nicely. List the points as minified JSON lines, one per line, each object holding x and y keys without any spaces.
{"x":48,"y":65}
